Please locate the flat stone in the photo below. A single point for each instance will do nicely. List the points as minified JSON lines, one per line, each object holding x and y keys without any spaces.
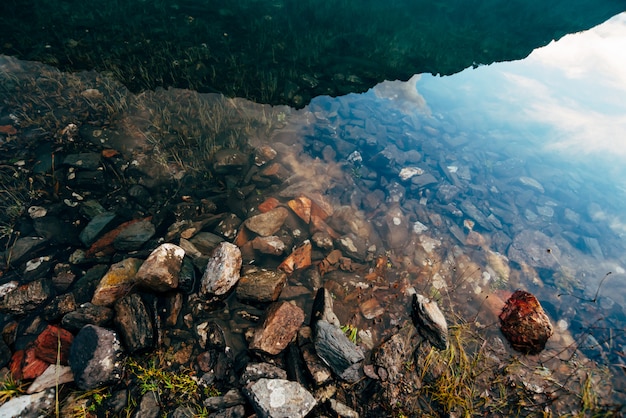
{"x":430,"y":322}
{"x":371,"y":308}
{"x":96,"y":226}
{"x":280,"y":326}
{"x":30,"y":406}
{"x":96,"y":358}
{"x":353,"y":246}
{"x":134,"y":236}
{"x":117,"y":282}
{"x":271,"y":245}
{"x":134,"y":322}
{"x":268,"y":223}
{"x":300,"y":258}
{"x":85,"y":160}
{"x":222,"y":270}
{"x":87,"y":314}
{"x":25,"y":249}
{"x":524,"y":323}
{"x":160,"y":271}
{"x":261,"y":286}
{"x":53,"y":376}
{"x":273,"y":398}
{"x":301,"y":206}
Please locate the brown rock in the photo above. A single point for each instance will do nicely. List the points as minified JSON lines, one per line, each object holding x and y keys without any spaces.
{"x":267,"y":223}
{"x":275,"y":172}
{"x":51,"y":342}
{"x":117,"y":282}
{"x":281,"y":324}
{"x":261,"y":286}
{"x":269,"y":245}
{"x":301,"y":207}
{"x":524,"y":323}
{"x":299,"y":258}
{"x":269,"y":204}
{"x":371,"y":308}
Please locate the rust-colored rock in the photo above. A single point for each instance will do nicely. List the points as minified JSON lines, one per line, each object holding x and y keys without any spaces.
{"x":268,"y":204}
{"x":281,"y":324}
{"x":301,"y":206}
{"x":524,"y":323}
{"x":51,"y":342}
{"x":25,"y":365}
{"x":298,"y":259}
{"x":318,"y":225}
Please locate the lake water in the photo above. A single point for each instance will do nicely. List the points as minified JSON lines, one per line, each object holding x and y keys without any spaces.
{"x":499,"y":177}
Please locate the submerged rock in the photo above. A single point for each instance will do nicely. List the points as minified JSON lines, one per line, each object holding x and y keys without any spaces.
{"x":336,"y":349}
{"x":524,"y":323}
{"x":430,"y":322}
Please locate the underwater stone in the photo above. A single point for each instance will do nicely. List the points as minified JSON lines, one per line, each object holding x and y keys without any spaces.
{"x":524,"y":323}
{"x":430,"y":322}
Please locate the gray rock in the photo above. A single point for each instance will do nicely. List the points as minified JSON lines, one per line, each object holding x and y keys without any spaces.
{"x":534,"y":248}
{"x":273,"y":398}
{"x":336,"y":349}
{"x":227,"y":160}
{"x":256,"y":371}
{"x":342,"y":410}
{"x":134,"y":323}
{"x":353,"y":246}
{"x":30,"y":406}
{"x":161,"y":269}
{"x":27,"y":297}
{"x":206,"y":242}
{"x":323,"y":308}
{"x":148,"y":406}
{"x":25,"y":248}
{"x":87,"y":314}
{"x":134,"y":236}
{"x":222,"y":270}
{"x":86,"y":160}
{"x":96,"y":357}
{"x":53,"y":376}
{"x":271,"y":245}
{"x":391,"y":356}
{"x":268,"y":223}
{"x":231,"y":398}
{"x":430,"y":322}
{"x":95,"y":227}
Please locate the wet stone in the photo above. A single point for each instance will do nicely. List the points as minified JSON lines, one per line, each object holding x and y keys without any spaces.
{"x":279,"y":398}
{"x":430,"y":322}
{"x":134,"y":322}
{"x":134,"y":236}
{"x":96,"y":357}
{"x":261,"y":286}
{"x":86,"y":160}
{"x":524,"y":323}
{"x":87,"y":314}
{"x":117,"y":282}
{"x":222,"y":270}
{"x":160,"y":271}
{"x":323,"y":240}
{"x":268,"y":223}
{"x":271,"y":245}
{"x":353,"y":246}
{"x":27,"y":297}
{"x":391,"y":356}
{"x":206,"y":242}
{"x":227,"y":160}
{"x":341,"y":354}
{"x":280,"y":326}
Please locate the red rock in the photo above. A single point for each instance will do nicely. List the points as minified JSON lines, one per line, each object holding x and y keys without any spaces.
{"x":52,"y":341}
{"x":109,"y":153}
{"x":280,"y":326}
{"x":298,"y":259}
{"x":524,"y":323}
{"x":301,"y":207}
{"x":269,"y":204}
{"x":8,"y":130}
{"x":320,"y":207}
{"x":25,"y":365}
{"x":104,"y":245}
{"x":15,"y":365}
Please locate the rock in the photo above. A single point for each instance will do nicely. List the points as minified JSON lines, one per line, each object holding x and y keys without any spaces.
{"x":25,"y":249}
{"x":353,"y":246}
{"x":263,"y":155}
{"x":228,"y":226}
{"x":323,"y":240}
{"x":268,"y":223}
{"x":231,"y":398}
{"x":53,"y":342}
{"x":5,"y":353}
{"x":271,"y":245}
{"x":524,"y":323}
{"x":87,"y":314}
{"x":301,"y":206}
{"x":148,"y":406}
{"x":279,"y":398}
{"x":96,"y":226}
{"x":261,"y":286}
{"x":27,"y":297}
{"x":117,"y":282}
{"x":134,"y":236}
{"x":134,"y":323}
{"x":206,"y":242}
{"x":227,"y":160}
{"x":323,"y":308}
{"x":391,"y":356}
{"x":222,"y":270}
{"x":532,"y":183}
{"x":160,"y":271}
{"x":85,"y":287}
{"x":85,"y":160}
{"x":25,"y":365}
{"x":275,"y":172}
{"x":536,"y":249}
{"x":341,"y":354}
{"x":256,"y":371}
{"x":280,"y":326}
{"x":30,"y":406}
{"x":371,"y":308}
{"x":342,"y":410}
{"x":430,"y":322}
{"x":53,"y":376}
{"x":96,"y":357}
{"x":300,"y":258}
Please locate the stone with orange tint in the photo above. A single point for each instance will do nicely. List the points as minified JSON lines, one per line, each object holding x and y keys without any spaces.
{"x":524,"y":323}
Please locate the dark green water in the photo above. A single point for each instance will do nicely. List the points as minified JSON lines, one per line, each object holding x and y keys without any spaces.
{"x":285,"y":51}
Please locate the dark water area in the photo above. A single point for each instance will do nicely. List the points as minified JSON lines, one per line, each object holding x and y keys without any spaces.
{"x":476,"y":176}
{"x":284,"y":52}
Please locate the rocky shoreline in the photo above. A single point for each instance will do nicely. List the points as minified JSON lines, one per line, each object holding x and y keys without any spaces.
{"x":286,"y":278}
